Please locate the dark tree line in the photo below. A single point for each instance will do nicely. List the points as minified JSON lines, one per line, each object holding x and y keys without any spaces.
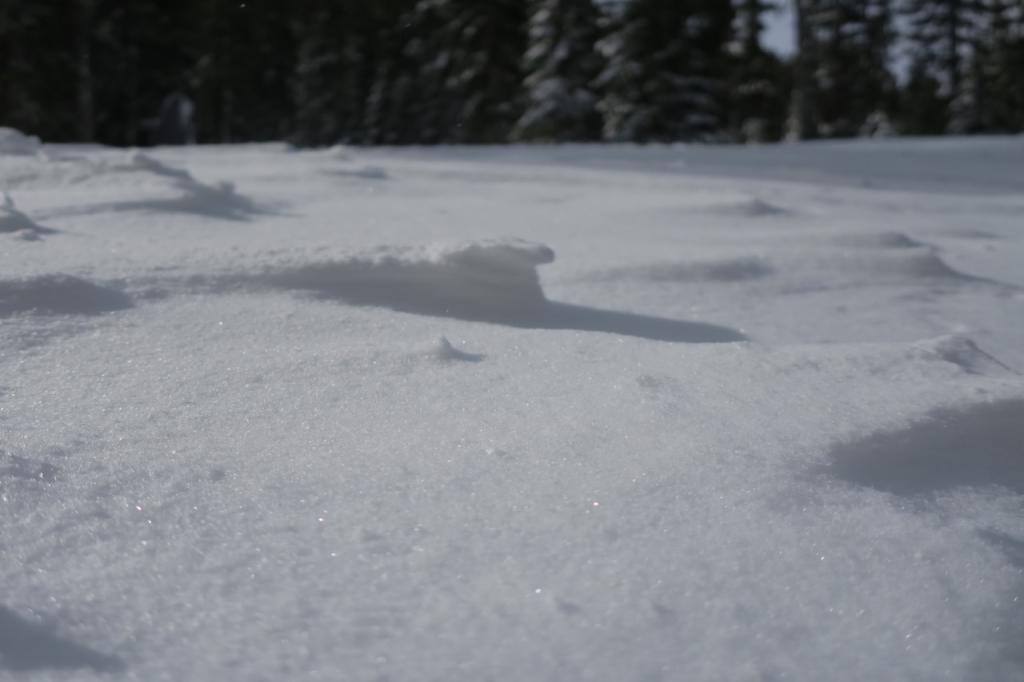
{"x":318,"y":72}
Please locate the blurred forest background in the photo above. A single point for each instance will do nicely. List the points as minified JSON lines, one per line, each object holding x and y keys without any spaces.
{"x":318,"y":72}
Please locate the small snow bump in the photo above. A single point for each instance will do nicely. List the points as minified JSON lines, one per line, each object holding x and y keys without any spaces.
{"x":13,"y":221}
{"x":444,"y":351}
{"x":962,"y":351}
{"x":340,"y":151}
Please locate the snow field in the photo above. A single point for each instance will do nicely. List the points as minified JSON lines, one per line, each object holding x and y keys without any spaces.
{"x":748,"y":424}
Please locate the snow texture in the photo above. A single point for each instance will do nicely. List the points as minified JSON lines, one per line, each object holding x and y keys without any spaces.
{"x":265,"y":415}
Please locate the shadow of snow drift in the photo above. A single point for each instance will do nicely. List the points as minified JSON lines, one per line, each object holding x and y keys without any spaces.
{"x":976,"y":447}
{"x":220,"y":200}
{"x":57,"y":295}
{"x":489,"y":281}
{"x":26,"y":646}
{"x":197,"y":198}
{"x":723,"y":271}
{"x":26,"y":469}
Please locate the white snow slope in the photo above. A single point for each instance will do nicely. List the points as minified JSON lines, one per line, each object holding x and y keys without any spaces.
{"x":568,"y":413}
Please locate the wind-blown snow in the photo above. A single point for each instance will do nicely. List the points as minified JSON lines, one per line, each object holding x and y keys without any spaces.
{"x":267,"y":415}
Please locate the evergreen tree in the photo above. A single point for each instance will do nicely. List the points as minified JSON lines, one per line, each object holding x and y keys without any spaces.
{"x":854,"y":89}
{"x":994,"y":89}
{"x":410,"y":101}
{"x":430,"y":71}
{"x":85,"y":16}
{"x":758,"y":84}
{"x":922,"y":109}
{"x":486,"y":41}
{"x":324,"y":84}
{"x":664,"y":79}
{"x":140,"y":54}
{"x":242,"y":58}
{"x":561,"y":64}
{"x":391,"y":107}
{"x":466,"y":60}
{"x":28,"y":100}
{"x":941,"y":32}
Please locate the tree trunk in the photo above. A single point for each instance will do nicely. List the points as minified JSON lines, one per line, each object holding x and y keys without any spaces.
{"x":953,"y":29}
{"x":802,"y":125}
{"x":86,"y":115}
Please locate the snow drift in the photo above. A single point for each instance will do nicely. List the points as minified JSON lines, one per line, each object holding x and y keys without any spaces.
{"x":277,"y":450}
{"x":489,"y":281}
{"x":479,"y":278}
{"x":17,"y":143}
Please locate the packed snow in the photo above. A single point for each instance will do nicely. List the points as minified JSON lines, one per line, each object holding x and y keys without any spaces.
{"x":524,"y":413}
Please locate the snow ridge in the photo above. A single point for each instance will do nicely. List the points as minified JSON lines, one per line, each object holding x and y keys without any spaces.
{"x":443,"y":351}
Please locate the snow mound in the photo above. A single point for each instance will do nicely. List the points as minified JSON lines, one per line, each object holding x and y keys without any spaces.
{"x":963,"y":352}
{"x":492,"y":281}
{"x":59,"y":294}
{"x":13,"y":221}
{"x":479,"y":277}
{"x":17,"y":143}
{"x":728,"y":270}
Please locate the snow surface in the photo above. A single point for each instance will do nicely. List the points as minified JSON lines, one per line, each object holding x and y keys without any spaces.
{"x":539,"y":413}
